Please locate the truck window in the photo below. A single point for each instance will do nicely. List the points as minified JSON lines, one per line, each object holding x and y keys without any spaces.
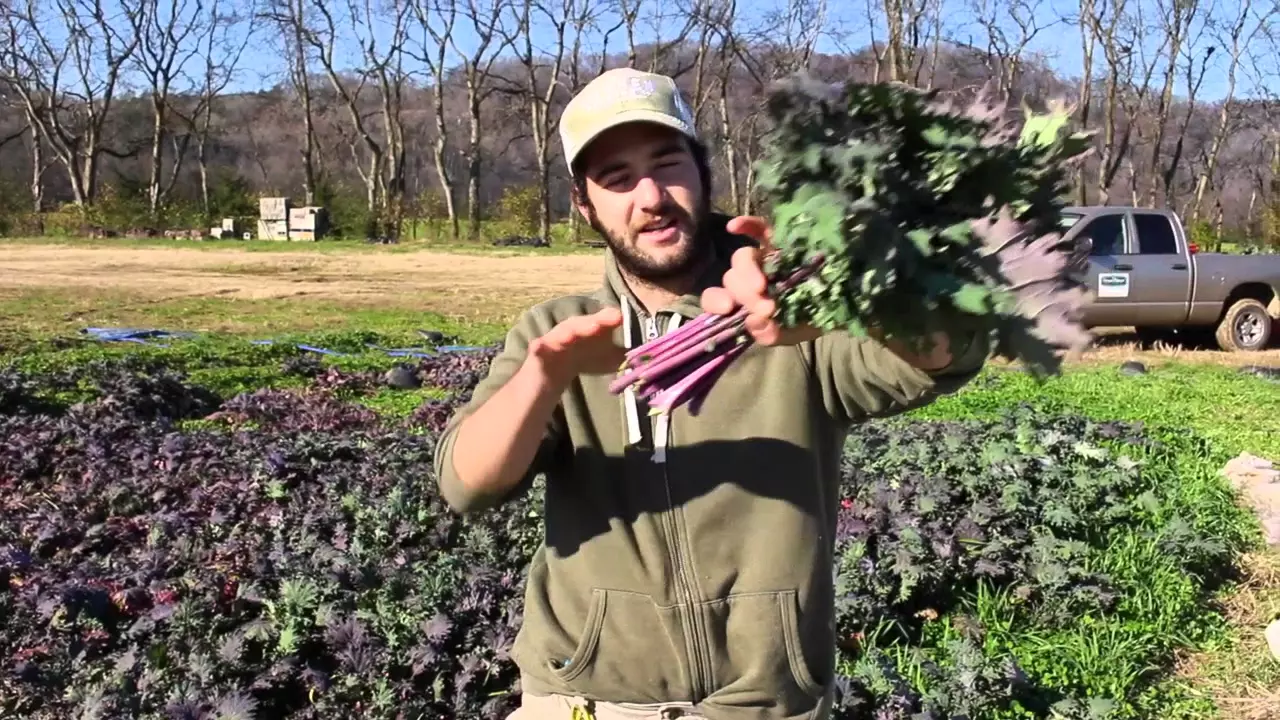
{"x":1155,"y":234}
{"x":1107,"y":234}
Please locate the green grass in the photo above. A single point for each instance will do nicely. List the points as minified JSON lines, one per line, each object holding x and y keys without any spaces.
{"x":1207,"y":415}
{"x":33,"y":316}
{"x":1237,"y":412}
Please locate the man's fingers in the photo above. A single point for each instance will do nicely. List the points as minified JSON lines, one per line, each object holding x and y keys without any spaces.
{"x":747,"y":286}
{"x":764,"y":330}
{"x":609,"y":317}
{"x":753,"y":226}
{"x":718,"y":301}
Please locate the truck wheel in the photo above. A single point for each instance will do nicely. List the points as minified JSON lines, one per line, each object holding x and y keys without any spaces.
{"x":1245,"y":328}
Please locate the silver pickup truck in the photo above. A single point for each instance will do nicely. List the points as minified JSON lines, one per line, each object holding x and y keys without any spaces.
{"x":1145,"y":274}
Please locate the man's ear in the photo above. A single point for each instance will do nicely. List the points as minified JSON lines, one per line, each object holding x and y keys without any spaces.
{"x":579,"y":202}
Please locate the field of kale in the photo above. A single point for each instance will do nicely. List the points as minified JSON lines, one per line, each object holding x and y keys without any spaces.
{"x":224,"y":529}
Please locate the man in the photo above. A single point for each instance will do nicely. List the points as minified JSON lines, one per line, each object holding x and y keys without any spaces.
{"x":687,"y":567}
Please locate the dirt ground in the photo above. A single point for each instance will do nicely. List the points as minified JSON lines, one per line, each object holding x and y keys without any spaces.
{"x":259,"y":275}
{"x":454,"y":284}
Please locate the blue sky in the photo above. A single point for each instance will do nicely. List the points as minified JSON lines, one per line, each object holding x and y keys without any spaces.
{"x":848,"y":28}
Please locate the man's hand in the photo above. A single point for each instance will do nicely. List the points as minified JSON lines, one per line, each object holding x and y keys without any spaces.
{"x":745,"y":284}
{"x":577,"y":346}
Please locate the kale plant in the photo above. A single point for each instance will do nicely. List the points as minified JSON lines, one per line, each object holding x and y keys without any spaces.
{"x":288,"y":557}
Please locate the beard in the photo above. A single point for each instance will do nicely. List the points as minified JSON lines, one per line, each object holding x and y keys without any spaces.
{"x":643,"y":266}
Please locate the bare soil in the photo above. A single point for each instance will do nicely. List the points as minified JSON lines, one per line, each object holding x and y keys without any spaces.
{"x":257,"y":275}
{"x":458,"y":285}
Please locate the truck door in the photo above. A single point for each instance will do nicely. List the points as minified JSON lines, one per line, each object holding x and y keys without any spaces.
{"x":1160,"y":288}
{"x":1108,"y":232}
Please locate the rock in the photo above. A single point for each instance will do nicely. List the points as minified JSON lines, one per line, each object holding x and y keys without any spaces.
{"x":402,"y":377}
{"x":1266,"y":373}
{"x":1249,"y":469}
{"x":1273,"y":638}
{"x":1133,"y":367}
{"x":1258,"y":482}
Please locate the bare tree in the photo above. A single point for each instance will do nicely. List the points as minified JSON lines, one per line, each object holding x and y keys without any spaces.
{"x":1119,"y":33}
{"x":435,"y":26}
{"x":381,"y":63}
{"x":541,"y":79}
{"x":1237,"y":34}
{"x":1009,"y":27}
{"x":906,"y":22}
{"x":221,"y":48}
{"x":1177,"y":19}
{"x":477,"y":71}
{"x":64,"y":59}
{"x":164,"y":48}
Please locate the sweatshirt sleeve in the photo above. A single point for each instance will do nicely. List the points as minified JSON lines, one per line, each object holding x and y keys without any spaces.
{"x":862,"y":378}
{"x":504,"y":365}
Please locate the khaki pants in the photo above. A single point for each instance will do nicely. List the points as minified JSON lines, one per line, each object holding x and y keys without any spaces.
{"x":561,"y":707}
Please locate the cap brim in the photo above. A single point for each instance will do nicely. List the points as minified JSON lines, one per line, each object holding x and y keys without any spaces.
{"x":624,"y":118}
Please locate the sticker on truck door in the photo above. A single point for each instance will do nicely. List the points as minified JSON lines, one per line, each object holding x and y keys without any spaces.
{"x":1113,"y":285}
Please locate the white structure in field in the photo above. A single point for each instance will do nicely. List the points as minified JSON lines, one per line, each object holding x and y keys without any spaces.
{"x":278,"y":221}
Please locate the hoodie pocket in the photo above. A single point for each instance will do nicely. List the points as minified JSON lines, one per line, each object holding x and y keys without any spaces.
{"x":762,"y":654}
{"x":626,"y":650}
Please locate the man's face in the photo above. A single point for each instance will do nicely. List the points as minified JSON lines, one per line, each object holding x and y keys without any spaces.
{"x":645,"y":198}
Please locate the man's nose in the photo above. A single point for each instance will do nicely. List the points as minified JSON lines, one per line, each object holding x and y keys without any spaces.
{"x":648,"y":193}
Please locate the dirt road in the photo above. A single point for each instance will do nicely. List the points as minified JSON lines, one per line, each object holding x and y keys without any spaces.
{"x":258,"y":275}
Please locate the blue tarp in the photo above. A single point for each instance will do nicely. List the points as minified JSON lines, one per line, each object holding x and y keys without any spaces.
{"x":134,"y":335}
{"x":147,"y":337}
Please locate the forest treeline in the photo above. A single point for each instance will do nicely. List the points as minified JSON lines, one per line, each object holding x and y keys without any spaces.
{"x":134,"y":113}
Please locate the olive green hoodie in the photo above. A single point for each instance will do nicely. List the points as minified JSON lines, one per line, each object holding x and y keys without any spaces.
{"x":690,"y":559}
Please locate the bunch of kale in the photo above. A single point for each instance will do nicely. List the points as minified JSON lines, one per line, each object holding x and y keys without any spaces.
{"x":917,"y":208}
{"x":899,"y":214}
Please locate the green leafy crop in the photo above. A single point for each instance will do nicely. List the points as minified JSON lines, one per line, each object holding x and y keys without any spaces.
{"x":918,"y":208}
{"x":900,"y":213}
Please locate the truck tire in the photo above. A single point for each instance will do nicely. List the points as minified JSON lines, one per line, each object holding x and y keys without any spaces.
{"x":1246,"y":327}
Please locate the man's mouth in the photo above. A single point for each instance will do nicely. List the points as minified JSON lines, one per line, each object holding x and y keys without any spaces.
{"x":661,"y":231}
{"x":659,"y":225}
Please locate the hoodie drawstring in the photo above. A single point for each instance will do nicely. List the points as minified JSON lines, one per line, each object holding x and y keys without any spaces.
{"x":630,"y":404}
{"x":630,"y":408}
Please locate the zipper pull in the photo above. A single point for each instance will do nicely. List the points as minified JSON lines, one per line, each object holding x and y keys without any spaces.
{"x":650,"y":328}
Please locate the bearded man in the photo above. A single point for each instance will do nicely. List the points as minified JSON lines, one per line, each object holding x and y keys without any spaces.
{"x":687,"y":568}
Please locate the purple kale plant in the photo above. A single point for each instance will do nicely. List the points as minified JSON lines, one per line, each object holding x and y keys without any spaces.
{"x":283,"y":553}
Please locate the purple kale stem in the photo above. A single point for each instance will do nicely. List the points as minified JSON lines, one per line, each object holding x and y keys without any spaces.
{"x":680,"y":333}
{"x":706,"y":319}
{"x":710,"y":346}
{"x":671,"y":397}
{"x":662,"y":347}
{"x":668,"y":361}
{"x":669,"y":358}
{"x":648,"y":389}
